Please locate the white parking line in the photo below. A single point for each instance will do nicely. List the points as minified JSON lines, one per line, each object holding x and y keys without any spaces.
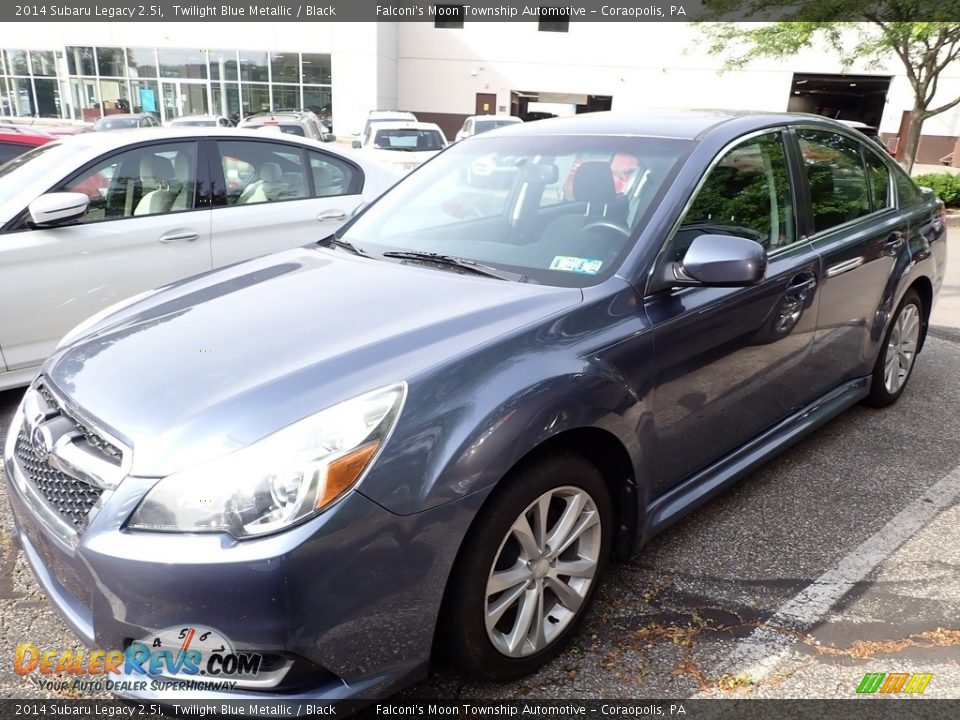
{"x":757,"y":654}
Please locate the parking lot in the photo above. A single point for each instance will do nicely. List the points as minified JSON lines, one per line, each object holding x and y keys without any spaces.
{"x":841,"y":557}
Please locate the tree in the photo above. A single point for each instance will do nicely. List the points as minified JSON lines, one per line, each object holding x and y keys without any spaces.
{"x":885,"y":28}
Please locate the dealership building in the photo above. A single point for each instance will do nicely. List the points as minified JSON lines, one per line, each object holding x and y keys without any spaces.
{"x":442,"y":70}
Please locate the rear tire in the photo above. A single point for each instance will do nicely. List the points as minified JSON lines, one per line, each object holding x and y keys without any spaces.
{"x":898,"y":353}
{"x":528,"y":569}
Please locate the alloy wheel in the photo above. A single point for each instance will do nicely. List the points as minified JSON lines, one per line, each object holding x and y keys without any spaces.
{"x":901,"y":348}
{"x":543,"y":571}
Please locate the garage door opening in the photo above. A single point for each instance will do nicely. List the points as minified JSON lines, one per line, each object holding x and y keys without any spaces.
{"x":539,"y":105}
{"x":843,"y":97}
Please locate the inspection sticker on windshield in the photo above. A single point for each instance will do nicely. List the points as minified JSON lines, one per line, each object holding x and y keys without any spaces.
{"x":577,"y":265}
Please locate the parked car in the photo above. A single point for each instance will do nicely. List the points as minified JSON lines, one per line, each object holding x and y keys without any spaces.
{"x":67,"y":130}
{"x":96,"y":218}
{"x":382,"y":116}
{"x":402,"y":145}
{"x":304,"y":124}
{"x":433,"y":430}
{"x":476,"y":124}
{"x":126,"y":121}
{"x":201,"y":121}
{"x":869,"y":130}
{"x":16,"y":140}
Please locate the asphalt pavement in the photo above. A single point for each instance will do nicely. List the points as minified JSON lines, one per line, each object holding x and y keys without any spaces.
{"x":839,"y":558}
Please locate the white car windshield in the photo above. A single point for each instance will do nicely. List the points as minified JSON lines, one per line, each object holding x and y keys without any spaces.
{"x":559,"y":210}
{"x":409,"y":139}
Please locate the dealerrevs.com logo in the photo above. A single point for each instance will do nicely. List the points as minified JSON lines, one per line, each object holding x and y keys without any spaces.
{"x":894,"y":683}
{"x":178,"y":658}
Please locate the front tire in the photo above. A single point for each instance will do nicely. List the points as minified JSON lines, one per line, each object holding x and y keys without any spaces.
{"x":898,"y":354}
{"x":528,"y":569}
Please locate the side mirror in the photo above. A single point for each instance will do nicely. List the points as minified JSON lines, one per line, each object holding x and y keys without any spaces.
{"x":720,"y":261}
{"x":356,"y":145}
{"x":57,"y":208}
{"x":327,"y":137}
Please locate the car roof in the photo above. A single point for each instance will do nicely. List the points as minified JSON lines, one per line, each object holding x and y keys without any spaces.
{"x":499,"y":118}
{"x":378,"y":114}
{"x":124,"y":116}
{"x":408,"y":125}
{"x":297,"y":116}
{"x":23,"y":132}
{"x":679,"y":124}
{"x":197,"y":117}
{"x":101,"y":142}
{"x":25,"y":138}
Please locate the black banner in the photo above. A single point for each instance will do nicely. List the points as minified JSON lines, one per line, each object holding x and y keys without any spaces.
{"x":474,"y":11}
{"x":863,"y":708}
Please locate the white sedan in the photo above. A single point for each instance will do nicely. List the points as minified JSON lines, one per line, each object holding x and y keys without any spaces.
{"x":90,"y":220}
{"x":402,"y":145}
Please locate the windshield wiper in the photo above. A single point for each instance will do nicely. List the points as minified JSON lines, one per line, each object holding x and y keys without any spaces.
{"x":472,"y":266}
{"x":334,"y":242}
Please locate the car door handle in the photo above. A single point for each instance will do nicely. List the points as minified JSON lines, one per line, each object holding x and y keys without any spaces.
{"x":845,"y":266}
{"x":178,"y":235}
{"x":894,"y":243}
{"x":328,"y":215}
{"x":801,"y":285}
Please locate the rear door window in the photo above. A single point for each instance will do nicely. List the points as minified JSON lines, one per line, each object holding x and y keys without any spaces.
{"x":835,"y":176}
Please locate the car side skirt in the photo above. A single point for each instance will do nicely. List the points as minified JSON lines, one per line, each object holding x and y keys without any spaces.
{"x":711,"y":481}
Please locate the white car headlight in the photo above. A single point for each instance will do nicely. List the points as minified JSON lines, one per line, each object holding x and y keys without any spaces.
{"x":280,"y":480}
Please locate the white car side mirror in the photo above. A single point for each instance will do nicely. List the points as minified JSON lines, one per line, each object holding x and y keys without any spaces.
{"x":57,"y":208}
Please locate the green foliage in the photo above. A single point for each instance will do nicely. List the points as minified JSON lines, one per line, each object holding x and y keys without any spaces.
{"x":945,"y":185}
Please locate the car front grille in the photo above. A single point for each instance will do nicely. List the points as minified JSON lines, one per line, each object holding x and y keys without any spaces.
{"x":68,"y":463}
{"x":72,"y":498}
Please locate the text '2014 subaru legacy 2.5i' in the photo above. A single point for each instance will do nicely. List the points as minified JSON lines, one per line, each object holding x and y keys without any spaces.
{"x":440,"y":423}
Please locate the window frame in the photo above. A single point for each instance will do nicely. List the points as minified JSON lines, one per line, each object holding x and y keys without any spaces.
{"x":201,"y":198}
{"x":802,"y":179}
{"x":782,"y":131}
{"x":219,"y":201}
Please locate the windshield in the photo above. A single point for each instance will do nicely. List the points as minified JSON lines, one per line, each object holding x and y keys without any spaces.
{"x":408,"y":139}
{"x":26,"y":169}
{"x":108,"y":123}
{"x":562,"y":210}
{"x":484,"y":125}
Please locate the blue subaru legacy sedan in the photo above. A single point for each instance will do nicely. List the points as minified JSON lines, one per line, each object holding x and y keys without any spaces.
{"x":426,"y":435}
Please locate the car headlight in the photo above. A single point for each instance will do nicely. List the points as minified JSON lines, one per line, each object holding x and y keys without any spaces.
{"x":280,"y":480}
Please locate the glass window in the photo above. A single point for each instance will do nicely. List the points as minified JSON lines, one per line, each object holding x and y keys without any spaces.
{"x":141,"y":62}
{"x":747,"y":194}
{"x":226,"y":99}
{"x":316,"y":69}
{"x":835,"y":176}
{"x":110,"y":62}
{"x":43,"y":63}
{"x":223,"y":65}
{"x":146,"y":94}
{"x":285,"y":67}
{"x":879,"y":175}
{"x":407,"y":139}
{"x":188,"y":64}
{"x":516,"y":185}
{"x":48,"y":97}
{"x":21,"y":98}
{"x":260,"y":172}
{"x":319,"y":100}
{"x":143,"y":181}
{"x":256,"y":98}
{"x":332,"y":176}
{"x":286,"y":96}
{"x":254,"y":66}
{"x":113,"y":95}
{"x":11,"y":150}
{"x":80,"y":61}
{"x":17,"y":62}
{"x":907,"y":191}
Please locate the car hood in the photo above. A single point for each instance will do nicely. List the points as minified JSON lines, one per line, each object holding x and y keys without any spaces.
{"x":213,"y":363}
{"x":400,"y":159}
